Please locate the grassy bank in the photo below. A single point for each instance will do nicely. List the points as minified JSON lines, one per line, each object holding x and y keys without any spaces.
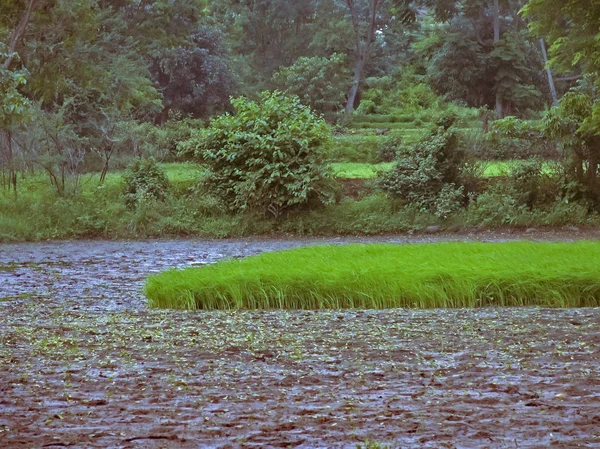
{"x":99,"y":211}
{"x":444,"y":275}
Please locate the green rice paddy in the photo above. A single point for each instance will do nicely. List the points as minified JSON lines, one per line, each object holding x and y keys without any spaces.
{"x":381,"y":276}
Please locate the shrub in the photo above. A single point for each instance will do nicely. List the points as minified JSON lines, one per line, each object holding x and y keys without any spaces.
{"x":572,"y":125}
{"x":367,"y":107}
{"x":388,"y":147}
{"x":424,"y":170}
{"x":144,"y":180}
{"x":513,"y":138}
{"x":524,"y":180}
{"x":495,"y":207}
{"x":267,"y":156}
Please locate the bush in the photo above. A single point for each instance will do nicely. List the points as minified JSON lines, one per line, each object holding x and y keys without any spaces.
{"x":426,"y":171}
{"x":267,"y":156}
{"x":495,"y":207}
{"x":366,"y":107}
{"x":524,"y":180}
{"x":144,"y":180}
{"x":388,"y":147}
{"x":513,"y":138}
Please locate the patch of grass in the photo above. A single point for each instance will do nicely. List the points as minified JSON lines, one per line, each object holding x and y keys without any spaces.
{"x":502,"y":168}
{"x":16,"y":298}
{"x":447,"y":275}
{"x":354,"y":148}
{"x":355,"y":170}
{"x":10,"y":267}
{"x":362,"y":170}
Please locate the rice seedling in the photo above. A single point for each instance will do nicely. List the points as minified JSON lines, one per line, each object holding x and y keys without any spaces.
{"x":381,"y":276}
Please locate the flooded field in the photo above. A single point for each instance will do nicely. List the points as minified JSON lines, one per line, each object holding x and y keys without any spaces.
{"x":84,"y":363}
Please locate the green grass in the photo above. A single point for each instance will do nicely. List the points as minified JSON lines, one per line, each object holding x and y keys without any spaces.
{"x":502,"y":168}
{"x":355,"y":170}
{"x":446,"y":275}
{"x":358,"y":170}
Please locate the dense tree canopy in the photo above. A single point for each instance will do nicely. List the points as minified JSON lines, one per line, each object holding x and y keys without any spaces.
{"x":87,"y":73}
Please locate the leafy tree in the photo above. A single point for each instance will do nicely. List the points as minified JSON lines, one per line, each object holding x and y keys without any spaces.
{"x":265,"y":35}
{"x":14,"y":109}
{"x":571,"y":28}
{"x":566,"y":123}
{"x":194,"y":77}
{"x":370,"y":20}
{"x":503,"y":66}
{"x":319,"y":82}
{"x":516,"y":73}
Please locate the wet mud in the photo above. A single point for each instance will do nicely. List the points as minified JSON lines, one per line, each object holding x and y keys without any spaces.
{"x":85,"y":364}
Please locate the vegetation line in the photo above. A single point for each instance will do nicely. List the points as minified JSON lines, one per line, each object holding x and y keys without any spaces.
{"x":381,"y":276}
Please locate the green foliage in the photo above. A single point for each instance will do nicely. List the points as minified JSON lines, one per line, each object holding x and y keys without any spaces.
{"x":516,"y":72}
{"x":391,"y":276}
{"x":513,"y":138}
{"x":497,"y":207}
{"x":571,"y":125}
{"x":267,"y":156}
{"x":524,"y":180}
{"x":98,"y":211}
{"x":367,"y":107}
{"x":402,"y":96}
{"x":571,"y":28}
{"x":428,"y":174}
{"x":319,"y":82}
{"x":465,"y":66}
{"x":387,"y":150}
{"x":145,"y":181}
{"x":195,"y":77}
{"x":13,"y":106}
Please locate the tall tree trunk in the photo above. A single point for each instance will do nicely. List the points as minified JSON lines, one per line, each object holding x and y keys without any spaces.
{"x":18,"y":32}
{"x":496,"y":20}
{"x":363,"y":48}
{"x":359,"y":68}
{"x":12,"y":173}
{"x":499,"y":109}
{"x":549,"y":72}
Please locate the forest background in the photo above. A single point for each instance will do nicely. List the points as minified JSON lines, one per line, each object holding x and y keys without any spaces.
{"x":136,"y":118}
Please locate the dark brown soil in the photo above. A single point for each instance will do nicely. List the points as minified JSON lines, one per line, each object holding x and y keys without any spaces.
{"x":84,"y":364}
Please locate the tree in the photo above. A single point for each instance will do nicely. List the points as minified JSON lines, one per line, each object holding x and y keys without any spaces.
{"x":504,"y":65}
{"x":566,"y":124}
{"x":13,"y":111}
{"x":194,"y":77}
{"x":571,"y":28}
{"x":265,"y":35}
{"x":319,"y":82}
{"x":18,"y":31}
{"x":13,"y":106}
{"x":371,"y":20}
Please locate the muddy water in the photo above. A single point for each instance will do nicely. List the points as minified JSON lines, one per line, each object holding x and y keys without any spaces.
{"x":84,"y":363}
